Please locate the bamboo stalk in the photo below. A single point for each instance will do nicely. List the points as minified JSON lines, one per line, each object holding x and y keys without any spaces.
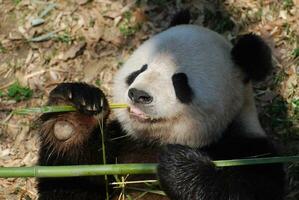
{"x":52,"y":109}
{"x":256,"y":161}
{"x":78,"y":170}
{"x":44,"y":109}
{"x":112,"y":169}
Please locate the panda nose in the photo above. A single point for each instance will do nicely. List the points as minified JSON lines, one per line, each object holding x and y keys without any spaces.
{"x":139,"y":96}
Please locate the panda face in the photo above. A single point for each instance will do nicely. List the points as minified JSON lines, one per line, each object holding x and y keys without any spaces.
{"x":144,"y":89}
{"x":182,"y":87}
{"x":144,"y":100}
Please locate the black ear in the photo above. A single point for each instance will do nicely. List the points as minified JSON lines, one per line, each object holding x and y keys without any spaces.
{"x":254,"y":56}
{"x":182,"y":17}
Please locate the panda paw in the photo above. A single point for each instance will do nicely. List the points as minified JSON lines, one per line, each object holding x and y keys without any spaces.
{"x":184,"y":172}
{"x":85,"y":98}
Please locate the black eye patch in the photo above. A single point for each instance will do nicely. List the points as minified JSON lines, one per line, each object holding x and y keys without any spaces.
{"x":182,"y":88}
{"x":130,"y":79}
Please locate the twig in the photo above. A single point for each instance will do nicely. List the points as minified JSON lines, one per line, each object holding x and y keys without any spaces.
{"x":50,"y":7}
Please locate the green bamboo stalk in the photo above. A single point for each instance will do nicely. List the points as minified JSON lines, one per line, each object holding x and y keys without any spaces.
{"x":118,"y":105}
{"x":78,"y":170}
{"x":52,"y":109}
{"x":44,"y":109}
{"x":112,"y":169}
{"x":256,"y":161}
{"x":104,"y":156}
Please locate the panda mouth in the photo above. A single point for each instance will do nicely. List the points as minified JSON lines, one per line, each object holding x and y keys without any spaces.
{"x":137,"y":113}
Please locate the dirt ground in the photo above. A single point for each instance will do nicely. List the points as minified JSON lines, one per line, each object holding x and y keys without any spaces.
{"x":43,"y":43}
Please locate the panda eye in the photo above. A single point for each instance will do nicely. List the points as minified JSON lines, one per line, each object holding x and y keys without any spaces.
{"x":131,"y":78}
{"x":182,"y":89}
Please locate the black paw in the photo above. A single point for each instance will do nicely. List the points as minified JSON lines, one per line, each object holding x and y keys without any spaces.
{"x":86,"y":98}
{"x":184,"y":171}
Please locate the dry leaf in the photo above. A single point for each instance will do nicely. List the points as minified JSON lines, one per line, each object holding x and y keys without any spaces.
{"x":82,"y":2}
{"x":74,"y":51}
{"x":140,"y":16}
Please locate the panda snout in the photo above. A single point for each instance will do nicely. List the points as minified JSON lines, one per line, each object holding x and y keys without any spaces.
{"x":139,"y":96}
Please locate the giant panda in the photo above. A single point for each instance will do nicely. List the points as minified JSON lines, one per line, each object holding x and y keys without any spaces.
{"x":190,"y":101}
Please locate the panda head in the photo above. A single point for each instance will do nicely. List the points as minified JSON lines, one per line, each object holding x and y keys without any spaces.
{"x":187,"y":84}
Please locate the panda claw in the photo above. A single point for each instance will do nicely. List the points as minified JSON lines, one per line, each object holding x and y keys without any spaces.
{"x":70,"y":95}
{"x":89,"y":108}
{"x":94,"y":107}
{"x":83,"y":102}
{"x":102,"y":102}
{"x":89,"y":102}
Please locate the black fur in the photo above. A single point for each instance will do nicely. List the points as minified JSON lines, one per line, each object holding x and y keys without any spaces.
{"x":87,"y":152}
{"x":131,"y":78}
{"x":187,"y":173}
{"x":182,"y":89}
{"x":182,"y":17}
{"x":253,"y":56}
{"x":81,"y":95}
{"x":76,"y":188}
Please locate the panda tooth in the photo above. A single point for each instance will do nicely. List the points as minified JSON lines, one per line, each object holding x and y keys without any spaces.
{"x":94,"y":107}
{"x":70,"y":95}
{"x":88,"y":108}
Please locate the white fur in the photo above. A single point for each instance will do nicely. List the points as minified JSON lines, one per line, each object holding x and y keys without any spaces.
{"x":219,"y":93}
{"x":248,"y":117}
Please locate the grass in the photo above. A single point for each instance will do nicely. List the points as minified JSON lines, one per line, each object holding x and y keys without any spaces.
{"x":98,"y":82}
{"x":295,"y":104}
{"x":64,"y":38}
{"x":278,"y":113}
{"x":127,"y":27}
{"x":2,"y":48}
{"x":217,"y":21}
{"x":283,"y":118}
{"x":278,"y":78}
{"x":91,"y":22}
{"x":288,"y":4}
{"x":18,"y":92}
{"x":296,"y":52}
{"x":16,"y":2}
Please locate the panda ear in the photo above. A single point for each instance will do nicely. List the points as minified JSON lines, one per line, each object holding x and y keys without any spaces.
{"x":181,"y":17}
{"x":253,"y":56}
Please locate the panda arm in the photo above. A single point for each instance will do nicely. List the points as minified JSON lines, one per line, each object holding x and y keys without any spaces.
{"x":73,"y":138}
{"x":187,"y":173}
